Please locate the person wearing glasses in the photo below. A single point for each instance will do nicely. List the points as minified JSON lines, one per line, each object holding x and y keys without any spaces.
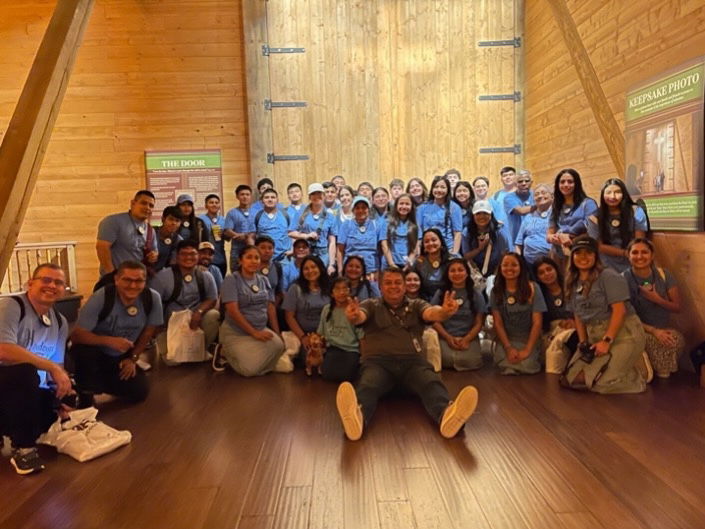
{"x":32,"y":379}
{"x":114,"y":327}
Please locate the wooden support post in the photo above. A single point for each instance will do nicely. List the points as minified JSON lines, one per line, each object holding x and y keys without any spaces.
{"x":611,"y":133}
{"x":28,"y":133}
{"x":519,"y":84}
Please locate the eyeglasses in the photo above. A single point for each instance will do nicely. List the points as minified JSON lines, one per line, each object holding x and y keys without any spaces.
{"x":46,"y":280}
{"x":132,"y":281}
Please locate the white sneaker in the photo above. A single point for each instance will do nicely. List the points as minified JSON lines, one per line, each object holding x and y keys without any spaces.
{"x":458,"y":412}
{"x":349,"y":411}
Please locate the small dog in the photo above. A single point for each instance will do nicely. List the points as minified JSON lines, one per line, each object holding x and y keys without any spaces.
{"x":314,"y":354}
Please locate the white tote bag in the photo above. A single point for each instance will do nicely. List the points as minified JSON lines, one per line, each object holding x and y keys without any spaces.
{"x":83,"y":437}
{"x":182,"y":343}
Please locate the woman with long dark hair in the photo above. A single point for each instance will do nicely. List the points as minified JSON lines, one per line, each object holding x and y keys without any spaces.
{"x":571,"y":209}
{"x":431,"y":264}
{"x":402,"y":234}
{"x":442,"y":213}
{"x":611,"y":336}
{"x":618,"y":221}
{"x":486,"y":240}
{"x":517,"y":305}
{"x":460,"y":345}
{"x":355,"y":271}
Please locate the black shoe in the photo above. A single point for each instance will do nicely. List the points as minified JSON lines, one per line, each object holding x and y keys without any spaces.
{"x":218,"y":363}
{"x":26,"y":463}
{"x":85,"y":400}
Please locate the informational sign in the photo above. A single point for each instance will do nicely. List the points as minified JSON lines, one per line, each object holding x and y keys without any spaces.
{"x":664,"y":146}
{"x":173,"y":173}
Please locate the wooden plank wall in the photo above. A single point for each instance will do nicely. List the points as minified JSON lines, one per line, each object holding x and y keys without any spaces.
{"x":392,"y":88}
{"x":627,"y":42}
{"x":149,"y":75}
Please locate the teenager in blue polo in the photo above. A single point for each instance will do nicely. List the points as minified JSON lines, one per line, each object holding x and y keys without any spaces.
{"x":239,"y":224}
{"x":316,"y":225}
{"x":442,"y":213}
{"x":215,"y":223}
{"x":361,"y":236}
{"x":273,"y":222}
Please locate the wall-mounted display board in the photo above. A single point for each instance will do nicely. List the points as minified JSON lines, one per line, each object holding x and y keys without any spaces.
{"x":664,"y":146}
{"x":172,"y":173}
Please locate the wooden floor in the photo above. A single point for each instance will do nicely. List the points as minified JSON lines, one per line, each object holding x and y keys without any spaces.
{"x":218,"y":451}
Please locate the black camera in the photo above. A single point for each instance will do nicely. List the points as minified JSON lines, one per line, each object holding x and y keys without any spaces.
{"x":587,"y":352}
{"x":70,"y":400}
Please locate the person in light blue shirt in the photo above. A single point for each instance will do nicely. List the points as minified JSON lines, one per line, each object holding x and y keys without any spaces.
{"x":616,"y":223}
{"x":569,"y":217}
{"x":128,"y":236}
{"x":239,"y":224}
{"x":330,"y":197}
{"x":168,"y":239}
{"x":273,"y":222}
{"x":32,"y":341}
{"x":486,"y":241}
{"x":361,"y":236}
{"x":518,"y":204}
{"x":355,"y":272}
{"x":262,"y":185}
{"x":442,"y":213}
{"x":380,"y":203}
{"x":481,"y":187}
{"x":205,"y":262}
{"x":316,"y":225}
{"x":464,"y":196}
{"x":292,"y":265}
{"x":215,"y":224}
{"x":114,"y":327}
{"x":295,"y":195}
{"x":344,"y":213}
{"x":531,"y":241}
{"x":192,"y":227}
{"x":508,"y":177}
{"x":401,"y":244}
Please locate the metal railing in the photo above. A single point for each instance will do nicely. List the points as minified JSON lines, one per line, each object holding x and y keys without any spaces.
{"x":26,"y":257}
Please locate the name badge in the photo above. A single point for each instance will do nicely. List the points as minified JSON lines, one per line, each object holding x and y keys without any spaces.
{"x":167,"y":241}
{"x":566,"y":210}
{"x":270,"y":215}
{"x":132,"y":310}
{"x":615,"y":223}
{"x":316,"y":217}
{"x":579,"y":289}
{"x":46,"y":320}
{"x":265,"y":271}
{"x":246,"y":213}
{"x":544,"y":214}
{"x":459,"y":301}
{"x":511,"y":300}
{"x":558,"y":302}
{"x":254,"y":288}
{"x":436,"y":264}
{"x":142,"y":230}
{"x":186,"y":224}
{"x":188,"y":278}
{"x":362,"y":229}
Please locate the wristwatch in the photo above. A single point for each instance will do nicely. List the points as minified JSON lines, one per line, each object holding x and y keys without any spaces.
{"x":200,"y":311}
{"x":607,"y":339}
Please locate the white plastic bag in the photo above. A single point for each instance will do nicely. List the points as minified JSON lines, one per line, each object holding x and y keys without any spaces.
{"x":182,"y":343}
{"x":83,"y":437}
{"x":292,"y":344}
{"x":557,"y":354}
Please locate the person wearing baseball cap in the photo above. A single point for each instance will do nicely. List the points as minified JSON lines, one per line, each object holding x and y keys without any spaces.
{"x":487,"y":239}
{"x":610,"y":357}
{"x":192,"y":228}
{"x":316,"y":225}
{"x":361,"y":236}
{"x":206,"y":252}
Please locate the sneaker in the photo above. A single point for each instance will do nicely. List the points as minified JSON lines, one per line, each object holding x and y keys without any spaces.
{"x":218,"y":363}
{"x":26,"y":461}
{"x":458,"y":412}
{"x":283,"y":365}
{"x":349,"y":411}
{"x":663,"y":374}
{"x":643,"y":365}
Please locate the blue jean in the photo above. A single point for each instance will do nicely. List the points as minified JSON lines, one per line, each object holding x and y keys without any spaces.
{"x":381,"y":374}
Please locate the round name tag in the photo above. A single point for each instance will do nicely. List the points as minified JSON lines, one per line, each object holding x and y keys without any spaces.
{"x":265,"y":271}
{"x":615,"y":223}
{"x":544,"y":214}
{"x":255,"y":288}
{"x":482,"y":237}
{"x":362,"y":229}
{"x":246,"y":213}
{"x":558,"y":302}
{"x":167,"y":241}
{"x":566,"y":210}
{"x":142,"y":230}
{"x":316,"y":217}
{"x":132,"y":310}
{"x":579,"y":289}
{"x":459,"y":301}
{"x":188,"y":278}
{"x":435,"y":264}
{"x":270,"y":215}
{"x":46,"y":320}
{"x":186,"y":224}
{"x":511,"y":300}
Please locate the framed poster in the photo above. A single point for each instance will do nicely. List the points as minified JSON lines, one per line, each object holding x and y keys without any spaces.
{"x":664,"y":146}
{"x":172,"y":173}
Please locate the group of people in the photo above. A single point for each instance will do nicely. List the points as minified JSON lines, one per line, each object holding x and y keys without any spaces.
{"x":381,"y":275}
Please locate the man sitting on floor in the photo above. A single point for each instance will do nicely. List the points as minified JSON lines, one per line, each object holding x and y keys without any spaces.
{"x":391,"y":356}
{"x":32,"y":338}
{"x":185,"y":286}
{"x":113,"y":329}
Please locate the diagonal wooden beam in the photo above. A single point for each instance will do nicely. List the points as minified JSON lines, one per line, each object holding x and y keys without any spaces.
{"x":29,"y":130}
{"x":611,"y":133}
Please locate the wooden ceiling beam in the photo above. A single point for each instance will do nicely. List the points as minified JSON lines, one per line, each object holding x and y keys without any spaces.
{"x":611,"y":133}
{"x":29,"y":130}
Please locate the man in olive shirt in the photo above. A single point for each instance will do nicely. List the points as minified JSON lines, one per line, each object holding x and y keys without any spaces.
{"x":391,"y":356}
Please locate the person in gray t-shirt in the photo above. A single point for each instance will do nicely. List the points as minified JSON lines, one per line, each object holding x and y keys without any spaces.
{"x":392,"y":357}
{"x":113,"y":329}
{"x":128,"y":236}
{"x":32,"y":340}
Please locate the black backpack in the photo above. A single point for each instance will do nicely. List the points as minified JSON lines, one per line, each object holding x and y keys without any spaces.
{"x":109,"y":301}
{"x":23,"y":311}
{"x":178,"y":286}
